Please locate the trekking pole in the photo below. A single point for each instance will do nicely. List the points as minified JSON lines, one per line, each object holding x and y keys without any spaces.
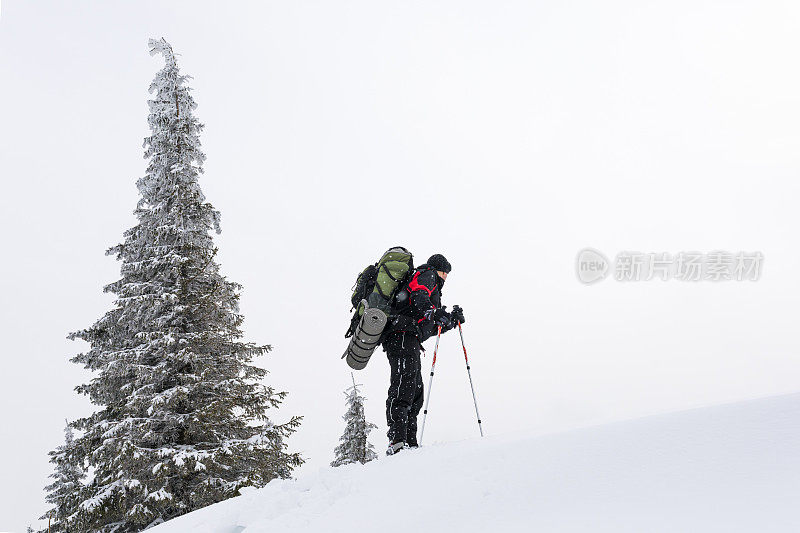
{"x":471,"y":386}
{"x":430,"y":385}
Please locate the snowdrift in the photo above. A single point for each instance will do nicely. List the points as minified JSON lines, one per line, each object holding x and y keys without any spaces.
{"x":725,"y":469}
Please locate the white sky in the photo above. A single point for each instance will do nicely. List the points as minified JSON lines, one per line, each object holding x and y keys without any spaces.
{"x":507,"y":137}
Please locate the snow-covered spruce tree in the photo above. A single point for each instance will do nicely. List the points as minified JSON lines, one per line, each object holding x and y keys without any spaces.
{"x":355,"y":446}
{"x":65,"y":490}
{"x":183,"y":422}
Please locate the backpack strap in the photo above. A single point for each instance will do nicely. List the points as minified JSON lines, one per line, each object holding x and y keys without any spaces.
{"x":415,"y":285}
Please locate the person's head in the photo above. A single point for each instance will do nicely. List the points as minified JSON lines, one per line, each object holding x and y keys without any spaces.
{"x":442,"y":266}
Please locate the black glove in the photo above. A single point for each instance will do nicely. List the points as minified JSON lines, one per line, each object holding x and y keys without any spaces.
{"x":440,"y":317}
{"x":457,"y":314}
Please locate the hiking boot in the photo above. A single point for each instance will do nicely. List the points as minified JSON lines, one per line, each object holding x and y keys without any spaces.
{"x":395,"y":447}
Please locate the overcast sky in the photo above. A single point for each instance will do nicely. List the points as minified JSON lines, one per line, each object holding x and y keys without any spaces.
{"x":507,"y":137}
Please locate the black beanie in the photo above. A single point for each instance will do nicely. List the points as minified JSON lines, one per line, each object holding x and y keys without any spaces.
{"x":438,"y":262}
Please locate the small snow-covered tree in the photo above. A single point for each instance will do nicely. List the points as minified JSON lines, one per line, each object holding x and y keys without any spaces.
{"x":183,"y":416}
{"x":65,"y":490}
{"x":354,"y":444}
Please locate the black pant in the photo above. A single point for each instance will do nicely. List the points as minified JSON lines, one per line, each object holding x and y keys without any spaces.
{"x":405,"y":390}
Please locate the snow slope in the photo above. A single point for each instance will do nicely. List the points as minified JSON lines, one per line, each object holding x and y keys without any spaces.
{"x":727,"y":468}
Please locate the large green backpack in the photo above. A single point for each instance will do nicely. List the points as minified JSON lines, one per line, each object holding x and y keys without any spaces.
{"x":378,"y":284}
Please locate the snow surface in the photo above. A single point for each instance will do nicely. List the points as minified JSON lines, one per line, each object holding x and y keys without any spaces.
{"x":727,"y":468}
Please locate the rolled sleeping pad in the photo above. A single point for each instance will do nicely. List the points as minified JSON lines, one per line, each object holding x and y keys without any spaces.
{"x":365,"y":339}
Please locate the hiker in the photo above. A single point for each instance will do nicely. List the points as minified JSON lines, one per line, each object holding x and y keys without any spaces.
{"x":419,"y":315}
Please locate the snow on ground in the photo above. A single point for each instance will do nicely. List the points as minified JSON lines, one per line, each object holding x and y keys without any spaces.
{"x":730,"y":468}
